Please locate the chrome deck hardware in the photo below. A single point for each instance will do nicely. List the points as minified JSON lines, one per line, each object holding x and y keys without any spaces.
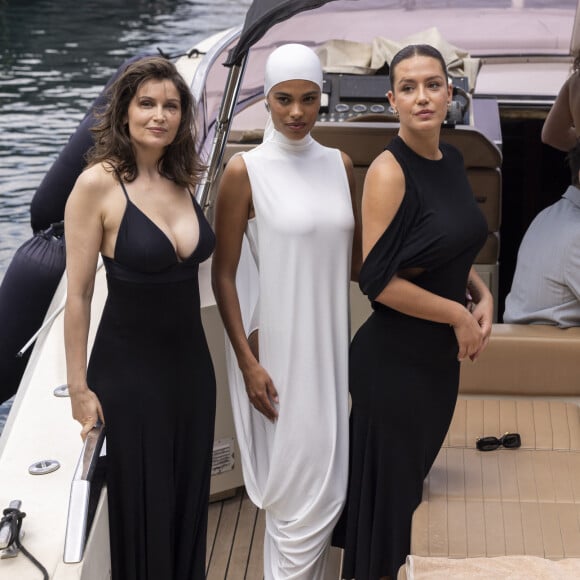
{"x":43,"y":467}
{"x":8,"y":548}
{"x":61,"y":391}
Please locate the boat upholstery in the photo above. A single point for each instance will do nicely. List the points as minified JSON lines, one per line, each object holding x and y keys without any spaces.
{"x":363,"y":141}
{"x":506,"y":567}
{"x":507,"y":502}
{"x":526,"y":359}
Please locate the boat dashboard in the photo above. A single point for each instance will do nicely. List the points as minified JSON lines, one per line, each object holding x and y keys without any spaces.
{"x":355,"y":97}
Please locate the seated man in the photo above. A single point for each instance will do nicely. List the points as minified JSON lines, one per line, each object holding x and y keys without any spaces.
{"x":546,"y":284}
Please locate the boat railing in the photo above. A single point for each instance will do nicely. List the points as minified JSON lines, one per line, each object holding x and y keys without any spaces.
{"x":80,"y":492}
{"x":50,"y":318}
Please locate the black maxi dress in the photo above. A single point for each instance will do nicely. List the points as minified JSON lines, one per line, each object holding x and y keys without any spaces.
{"x":151,"y":369}
{"x":404,"y":372}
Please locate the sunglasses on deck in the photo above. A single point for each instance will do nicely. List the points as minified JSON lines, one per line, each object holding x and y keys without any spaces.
{"x":508,"y":440}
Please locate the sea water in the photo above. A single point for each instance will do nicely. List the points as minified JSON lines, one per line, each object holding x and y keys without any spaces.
{"x":55,"y":58}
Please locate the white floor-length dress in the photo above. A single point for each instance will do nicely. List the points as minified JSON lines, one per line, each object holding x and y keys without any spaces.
{"x":300,"y":241}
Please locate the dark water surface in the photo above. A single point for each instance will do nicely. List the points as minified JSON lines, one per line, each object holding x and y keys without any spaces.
{"x":55,"y":58}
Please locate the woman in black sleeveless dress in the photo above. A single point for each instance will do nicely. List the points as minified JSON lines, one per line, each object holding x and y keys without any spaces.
{"x":421,"y":232}
{"x":150,"y":377}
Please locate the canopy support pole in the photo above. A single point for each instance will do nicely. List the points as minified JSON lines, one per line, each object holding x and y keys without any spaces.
{"x":205,"y":192}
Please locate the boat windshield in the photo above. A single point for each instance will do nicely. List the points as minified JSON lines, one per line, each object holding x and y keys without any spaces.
{"x":491,"y":29}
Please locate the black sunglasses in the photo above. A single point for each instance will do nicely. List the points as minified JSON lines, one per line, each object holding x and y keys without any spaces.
{"x":508,"y":440}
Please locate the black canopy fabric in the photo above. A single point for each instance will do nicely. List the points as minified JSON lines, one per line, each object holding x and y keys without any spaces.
{"x":261,"y":16}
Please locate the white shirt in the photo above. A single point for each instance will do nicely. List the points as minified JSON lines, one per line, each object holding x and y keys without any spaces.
{"x":546,"y":284}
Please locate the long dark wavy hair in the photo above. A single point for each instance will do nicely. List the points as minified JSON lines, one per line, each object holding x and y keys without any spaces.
{"x":180,"y":162}
{"x":415,"y":50}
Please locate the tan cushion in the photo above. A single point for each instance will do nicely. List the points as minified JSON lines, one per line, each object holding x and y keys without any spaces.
{"x":508,"y":501}
{"x":486,"y":186}
{"x":542,"y":424}
{"x":362,"y":146}
{"x":364,"y":141}
{"x":489,"y":254}
{"x":512,"y":567}
{"x":482,"y":161}
{"x":526,"y":359}
{"x":500,"y":503}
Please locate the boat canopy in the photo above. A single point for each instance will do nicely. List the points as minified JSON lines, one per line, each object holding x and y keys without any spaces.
{"x":504,"y":30}
{"x":261,"y":16}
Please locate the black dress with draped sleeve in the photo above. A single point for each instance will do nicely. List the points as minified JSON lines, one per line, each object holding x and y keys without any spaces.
{"x":404,"y":372}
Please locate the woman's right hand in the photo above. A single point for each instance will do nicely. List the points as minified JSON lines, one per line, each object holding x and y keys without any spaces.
{"x":261,"y":391}
{"x":469,"y":335}
{"x":86,"y":409}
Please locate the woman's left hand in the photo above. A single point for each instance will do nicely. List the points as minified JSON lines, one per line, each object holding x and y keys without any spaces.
{"x":482,"y":311}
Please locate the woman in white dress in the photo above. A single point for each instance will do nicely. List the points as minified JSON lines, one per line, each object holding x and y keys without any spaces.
{"x":285,"y":214}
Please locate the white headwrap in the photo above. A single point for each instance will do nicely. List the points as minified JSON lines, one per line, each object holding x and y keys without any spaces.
{"x":287,"y":63}
{"x":292,"y":62}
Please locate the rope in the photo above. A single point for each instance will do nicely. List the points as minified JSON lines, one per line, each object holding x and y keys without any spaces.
{"x":13,"y":519}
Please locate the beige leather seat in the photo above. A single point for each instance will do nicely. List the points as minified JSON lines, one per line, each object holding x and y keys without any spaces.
{"x":526,"y":359}
{"x":509,"y":502}
{"x":364,"y":141}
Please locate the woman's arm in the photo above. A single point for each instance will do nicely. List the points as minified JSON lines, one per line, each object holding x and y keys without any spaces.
{"x":233,"y":205}
{"x":84,"y":233}
{"x":383,"y":193}
{"x":356,"y":259}
{"x":558,"y":129}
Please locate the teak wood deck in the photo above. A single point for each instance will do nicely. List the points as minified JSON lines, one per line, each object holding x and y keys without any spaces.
{"x":235,"y":540}
{"x":235,"y":536}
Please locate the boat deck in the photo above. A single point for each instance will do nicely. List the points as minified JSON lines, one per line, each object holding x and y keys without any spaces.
{"x":235,"y":537}
{"x":235,"y":541}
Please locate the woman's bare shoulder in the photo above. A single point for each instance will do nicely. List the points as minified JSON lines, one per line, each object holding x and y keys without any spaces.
{"x":100,"y":174}
{"x":93,"y":185}
{"x":386,"y":172}
{"x":235,"y":177}
{"x":236,"y":166}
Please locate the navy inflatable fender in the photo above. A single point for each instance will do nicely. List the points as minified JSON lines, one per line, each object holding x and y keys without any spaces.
{"x":25,"y":295}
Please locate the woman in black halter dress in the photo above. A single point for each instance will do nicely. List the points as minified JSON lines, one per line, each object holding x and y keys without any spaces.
{"x":421,"y":232}
{"x":150,"y":377}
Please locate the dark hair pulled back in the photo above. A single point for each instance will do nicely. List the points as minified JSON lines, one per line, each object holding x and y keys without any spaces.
{"x":415,"y":50}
